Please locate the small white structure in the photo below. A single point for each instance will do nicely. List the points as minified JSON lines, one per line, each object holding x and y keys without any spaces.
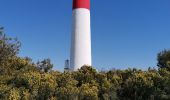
{"x":81,"y":35}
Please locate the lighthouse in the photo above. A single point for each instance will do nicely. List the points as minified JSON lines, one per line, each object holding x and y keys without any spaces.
{"x":81,"y":35}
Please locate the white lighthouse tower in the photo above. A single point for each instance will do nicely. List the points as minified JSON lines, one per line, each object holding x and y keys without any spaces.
{"x":81,"y":35}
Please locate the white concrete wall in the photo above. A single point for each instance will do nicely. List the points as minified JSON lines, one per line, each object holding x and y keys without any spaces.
{"x":81,"y":39}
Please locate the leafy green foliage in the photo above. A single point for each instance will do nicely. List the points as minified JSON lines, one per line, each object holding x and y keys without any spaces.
{"x":9,"y":48}
{"x":22,"y":79}
{"x":45,"y":65}
{"x":164,"y":59}
{"x":88,"y":92}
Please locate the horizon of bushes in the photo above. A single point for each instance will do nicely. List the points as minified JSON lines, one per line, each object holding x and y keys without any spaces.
{"x":23,"y":79}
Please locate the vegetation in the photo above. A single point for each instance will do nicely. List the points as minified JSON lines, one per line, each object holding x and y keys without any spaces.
{"x":22,"y":79}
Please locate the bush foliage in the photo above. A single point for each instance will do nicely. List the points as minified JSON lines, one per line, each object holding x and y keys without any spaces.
{"x":22,"y":79}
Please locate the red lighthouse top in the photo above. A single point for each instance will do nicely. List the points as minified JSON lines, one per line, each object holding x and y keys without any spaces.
{"x":81,"y":4}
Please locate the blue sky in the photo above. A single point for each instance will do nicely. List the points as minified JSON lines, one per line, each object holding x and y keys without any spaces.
{"x":125,"y":33}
